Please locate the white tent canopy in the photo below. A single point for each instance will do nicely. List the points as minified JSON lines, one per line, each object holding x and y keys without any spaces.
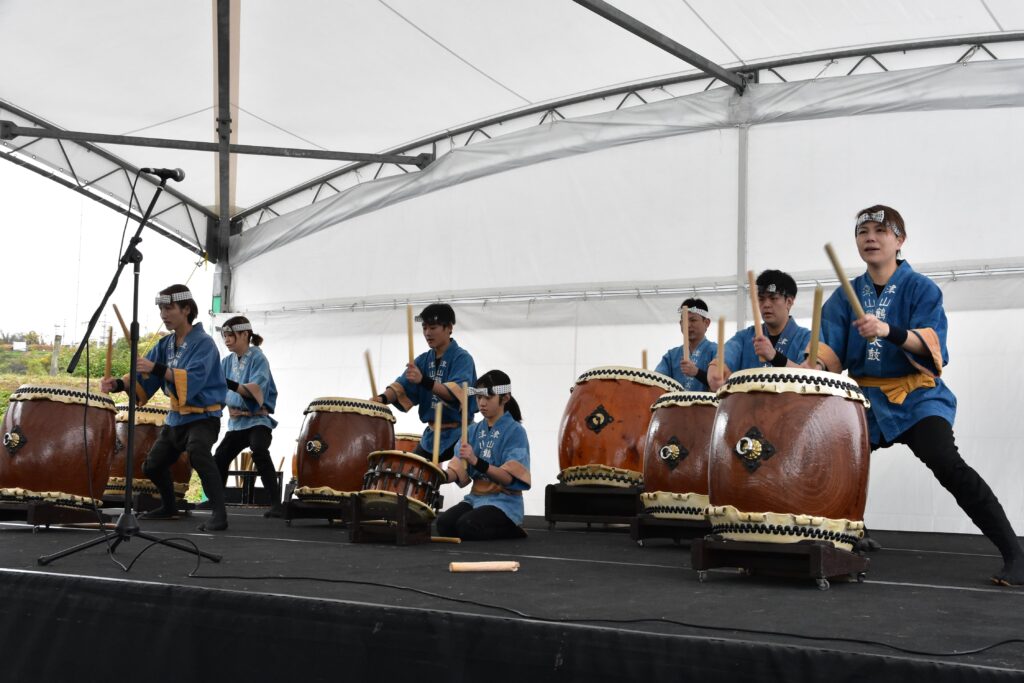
{"x":569,"y":244}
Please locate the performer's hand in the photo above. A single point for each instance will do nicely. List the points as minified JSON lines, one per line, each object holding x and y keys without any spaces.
{"x":715,"y":379}
{"x":763,"y":348}
{"x":870,"y":326}
{"x":107,"y":384}
{"x":467,"y":454}
{"x":375,"y":399}
{"x":688,"y":367}
{"x":413,"y":374}
{"x":144,"y":365}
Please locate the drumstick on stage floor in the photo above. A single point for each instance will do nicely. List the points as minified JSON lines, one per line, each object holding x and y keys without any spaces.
{"x":437,"y":433}
{"x":754,"y":306}
{"x":493,"y":566}
{"x":858,"y":310}
{"x":369,"y":371}
{"x":812,"y":356}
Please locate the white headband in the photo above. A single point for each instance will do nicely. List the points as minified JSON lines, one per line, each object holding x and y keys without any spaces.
{"x":699,"y":311}
{"x":173,"y":298}
{"x":237,"y":327}
{"x":491,"y":391}
{"x":878,"y":217}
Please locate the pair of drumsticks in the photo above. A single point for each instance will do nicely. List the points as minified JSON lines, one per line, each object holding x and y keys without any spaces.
{"x":463,"y":398}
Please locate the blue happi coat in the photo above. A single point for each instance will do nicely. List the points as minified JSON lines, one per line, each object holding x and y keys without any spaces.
{"x":253,"y":371}
{"x":198,"y":390}
{"x":454,"y":368}
{"x":505,"y":446}
{"x":739,"y":351}
{"x":913,"y":302}
{"x":701,"y":356}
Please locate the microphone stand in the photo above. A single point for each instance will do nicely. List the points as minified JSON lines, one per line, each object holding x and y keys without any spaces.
{"x":127,"y":524}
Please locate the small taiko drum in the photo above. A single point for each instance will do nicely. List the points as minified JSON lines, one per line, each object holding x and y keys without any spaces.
{"x":789,"y":458}
{"x":407,"y":442}
{"x":336,"y":437}
{"x":395,"y":473}
{"x":58,"y":444}
{"x":148,"y":422}
{"x":601,"y":438}
{"x":676,"y":454}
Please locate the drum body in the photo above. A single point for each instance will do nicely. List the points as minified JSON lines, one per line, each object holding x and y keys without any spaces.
{"x":601,"y":437}
{"x":45,"y":445}
{"x":789,"y":458}
{"x":336,"y":437}
{"x":407,"y":443}
{"x":149,"y":420}
{"x":676,"y":454}
{"x":395,"y":473}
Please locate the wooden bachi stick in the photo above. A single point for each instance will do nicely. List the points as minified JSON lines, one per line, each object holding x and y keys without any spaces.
{"x":124,"y":328}
{"x":369,"y":371}
{"x":812,"y":356}
{"x":437,"y":433}
{"x":493,"y":566}
{"x":110,"y":351}
{"x":721,"y":347}
{"x":408,"y":327}
{"x":464,"y":404}
{"x":851,"y":296}
{"x":643,"y":359}
{"x":753,"y":304}
{"x":686,"y":333}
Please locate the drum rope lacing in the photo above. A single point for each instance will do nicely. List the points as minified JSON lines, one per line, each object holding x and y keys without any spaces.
{"x":644,"y":376}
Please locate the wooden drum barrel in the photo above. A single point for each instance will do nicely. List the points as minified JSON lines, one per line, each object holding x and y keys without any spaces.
{"x":149,"y":420}
{"x":394,"y":473}
{"x":45,"y":434}
{"x":676,"y":455}
{"x":789,"y":458}
{"x":336,"y":437}
{"x":407,"y":443}
{"x":601,"y":438}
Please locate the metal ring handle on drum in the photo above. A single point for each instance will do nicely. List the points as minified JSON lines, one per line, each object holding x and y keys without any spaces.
{"x":14,"y":439}
{"x":316,"y":446}
{"x":746,"y":445}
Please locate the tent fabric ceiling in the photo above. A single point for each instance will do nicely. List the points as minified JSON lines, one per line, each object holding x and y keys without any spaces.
{"x":371,"y":76}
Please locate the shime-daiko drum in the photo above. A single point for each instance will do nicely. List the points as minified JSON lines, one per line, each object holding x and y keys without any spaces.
{"x":789,"y":458}
{"x":407,"y":443}
{"x":601,"y":438}
{"x":149,"y":420}
{"x":393,"y":474}
{"x":57,"y":444}
{"x":336,"y":437}
{"x":676,"y":456}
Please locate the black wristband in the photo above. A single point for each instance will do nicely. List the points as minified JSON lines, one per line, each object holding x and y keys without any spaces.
{"x":481,"y":465}
{"x":780,"y":360}
{"x":159,"y":369}
{"x":119,"y":385}
{"x":232,"y":385}
{"x":427,"y":383}
{"x":383,"y":398}
{"x":702,"y":377}
{"x":897,"y":335}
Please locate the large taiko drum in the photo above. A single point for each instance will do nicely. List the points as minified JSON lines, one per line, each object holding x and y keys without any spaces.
{"x":336,"y":437}
{"x":57,"y":444}
{"x":395,"y":473}
{"x":407,"y":443}
{"x":148,"y":422}
{"x":789,"y":458}
{"x":676,"y":454}
{"x":601,"y":438}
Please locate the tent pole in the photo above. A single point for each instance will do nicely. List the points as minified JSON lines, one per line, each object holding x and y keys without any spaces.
{"x":742,"y":298}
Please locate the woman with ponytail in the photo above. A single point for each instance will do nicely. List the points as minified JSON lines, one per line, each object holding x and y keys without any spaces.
{"x":497,"y":463}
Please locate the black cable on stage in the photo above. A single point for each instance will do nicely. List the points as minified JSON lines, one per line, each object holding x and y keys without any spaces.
{"x":663,"y":620}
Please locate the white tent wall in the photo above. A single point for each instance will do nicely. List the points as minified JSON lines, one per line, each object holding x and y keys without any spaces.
{"x":668,"y":209}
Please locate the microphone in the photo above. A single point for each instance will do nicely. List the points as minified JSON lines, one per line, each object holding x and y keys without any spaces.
{"x":175,"y":174}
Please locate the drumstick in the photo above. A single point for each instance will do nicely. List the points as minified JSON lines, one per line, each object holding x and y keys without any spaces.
{"x":721,"y":347}
{"x":124,"y":328}
{"x":437,"y":432}
{"x":464,"y":400}
{"x":408,"y":327}
{"x":280,"y":465}
{"x":686,"y":332}
{"x":643,"y":359}
{"x":812,"y":356}
{"x":445,"y":539}
{"x":110,"y":351}
{"x":753,"y":304}
{"x":858,"y":310}
{"x":369,"y":371}
{"x":498,"y":566}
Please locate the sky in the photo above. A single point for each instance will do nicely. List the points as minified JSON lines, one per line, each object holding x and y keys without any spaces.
{"x":61,"y":251}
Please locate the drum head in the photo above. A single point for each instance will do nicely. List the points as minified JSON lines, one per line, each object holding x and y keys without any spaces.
{"x":377,"y":504}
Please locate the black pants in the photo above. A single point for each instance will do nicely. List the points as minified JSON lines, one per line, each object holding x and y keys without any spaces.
{"x":932,"y":441}
{"x":196,"y":439}
{"x":256,"y":439}
{"x":484,"y":523}
{"x":444,"y":456}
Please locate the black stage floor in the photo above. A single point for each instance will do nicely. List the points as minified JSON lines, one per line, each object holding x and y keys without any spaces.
{"x":304,"y":603}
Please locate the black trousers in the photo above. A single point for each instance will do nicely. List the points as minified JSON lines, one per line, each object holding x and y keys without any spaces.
{"x":196,"y":439}
{"x":932,"y":441}
{"x":257,"y":439}
{"x":484,"y":523}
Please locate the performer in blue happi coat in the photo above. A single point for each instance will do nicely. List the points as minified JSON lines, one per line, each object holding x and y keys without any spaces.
{"x":252,"y":396}
{"x":780,"y":343}
{"x":186,"y":365}
{"x":691,"y":372}
{"x":901,"y":370}
{"x":497,"y":462}
{"x":435,"y":376}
